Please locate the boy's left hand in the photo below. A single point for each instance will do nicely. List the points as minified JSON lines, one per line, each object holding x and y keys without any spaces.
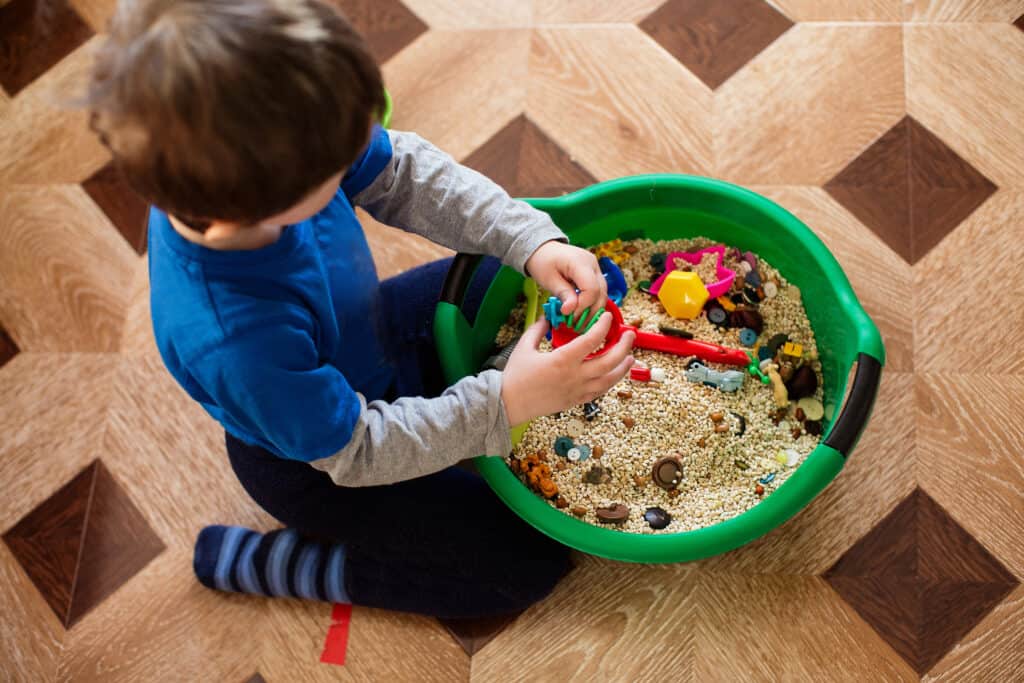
{"x":562,"y":269}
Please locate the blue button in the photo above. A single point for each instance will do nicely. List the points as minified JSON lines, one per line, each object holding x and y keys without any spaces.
{"x":748,"y":337}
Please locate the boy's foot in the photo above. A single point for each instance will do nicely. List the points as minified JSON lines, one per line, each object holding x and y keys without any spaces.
{"x":278,"y":563}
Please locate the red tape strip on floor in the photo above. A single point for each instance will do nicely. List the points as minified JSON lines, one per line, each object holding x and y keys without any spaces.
{"x":337,"y":636}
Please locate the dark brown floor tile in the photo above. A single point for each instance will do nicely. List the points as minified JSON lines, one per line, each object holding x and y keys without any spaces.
{"x":117,"y":544}
{"x":8,"y":349}
{"x":714,"y":39}
{"x":920,"y":580}
{"x":387,"y":25}
{"x":910,"y":188}
{"x":527,"y":163}
{"x":48,"y":540}
{"x":944,"y":189}
{"x":473,"y":634}
{"x":125,"y":209}
{"x":80,"y":544}
{"x":875,"y":187}
{"x":35,"y":35}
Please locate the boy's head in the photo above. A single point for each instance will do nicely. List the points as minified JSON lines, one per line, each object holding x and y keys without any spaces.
{"x":233,"y":110}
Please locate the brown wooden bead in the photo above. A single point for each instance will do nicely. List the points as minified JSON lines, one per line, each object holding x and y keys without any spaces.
{"x":625,"y":394}
{"x":597,"y":452}
{"x":629,"y":422}
{"x":579,"y":510}
{"x":717,"y":417}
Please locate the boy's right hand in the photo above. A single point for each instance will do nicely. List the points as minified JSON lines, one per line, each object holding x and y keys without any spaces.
{"x":536,"y":383}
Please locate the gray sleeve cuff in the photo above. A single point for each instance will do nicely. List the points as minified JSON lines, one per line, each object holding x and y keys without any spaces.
{"x":413,"y":437}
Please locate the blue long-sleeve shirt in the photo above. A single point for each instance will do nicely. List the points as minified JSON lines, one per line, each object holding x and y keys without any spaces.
{"x":280,"y":344}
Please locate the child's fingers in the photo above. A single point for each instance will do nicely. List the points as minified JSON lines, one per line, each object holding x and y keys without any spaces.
{"x":591,"y":283}
{"x":570,"y":302}
{"x":583,"y":345}
{"x":601,"y":385}
{"x":534,"y":334}
{"x":606,"y":362}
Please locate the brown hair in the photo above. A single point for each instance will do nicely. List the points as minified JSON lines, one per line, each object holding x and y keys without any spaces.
{"x":232,"y":109}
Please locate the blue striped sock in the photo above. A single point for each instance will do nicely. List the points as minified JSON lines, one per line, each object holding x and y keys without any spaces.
{"x":280,"y":563}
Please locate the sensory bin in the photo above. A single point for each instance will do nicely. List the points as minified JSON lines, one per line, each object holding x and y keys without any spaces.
{"x":684,"y":443}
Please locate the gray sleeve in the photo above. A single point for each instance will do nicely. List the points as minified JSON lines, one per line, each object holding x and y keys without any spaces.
{"x":424,"y":191}
{"x":413,"y":437}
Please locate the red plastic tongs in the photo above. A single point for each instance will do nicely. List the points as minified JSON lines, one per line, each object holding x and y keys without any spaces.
{"x":713,"y":353}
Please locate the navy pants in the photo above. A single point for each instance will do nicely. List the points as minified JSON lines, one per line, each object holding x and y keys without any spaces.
{"x":442,"y":545}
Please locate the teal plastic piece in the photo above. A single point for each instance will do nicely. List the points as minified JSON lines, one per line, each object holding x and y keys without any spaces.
{"x":672,"y":207}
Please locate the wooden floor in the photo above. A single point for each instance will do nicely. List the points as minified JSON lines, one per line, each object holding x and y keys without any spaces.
{"x":894,"y":128}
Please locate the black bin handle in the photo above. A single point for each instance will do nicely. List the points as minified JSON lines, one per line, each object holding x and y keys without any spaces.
{"x":854,"y":416}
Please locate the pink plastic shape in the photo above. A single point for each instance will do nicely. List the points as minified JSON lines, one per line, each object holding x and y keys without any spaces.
{"x":715,"y":289}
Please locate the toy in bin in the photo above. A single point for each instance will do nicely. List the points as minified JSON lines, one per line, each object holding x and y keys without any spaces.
{"x":564,"y":330}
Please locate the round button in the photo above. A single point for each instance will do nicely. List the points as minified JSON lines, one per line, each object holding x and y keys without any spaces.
{"x":813,"y":410}
{"x":613,"y":514}
{"x":657,"y":518}
{"x":717,"y":315}
{"x":574,"y":454}
{"x":584,"y":451}
{"x":667,"y":472}
{"x":771,"y":290}
{"x":562,"y":445}
{"x":748,"y":337}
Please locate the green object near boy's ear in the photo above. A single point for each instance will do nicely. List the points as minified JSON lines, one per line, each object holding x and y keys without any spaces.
{"x":385,"y":116}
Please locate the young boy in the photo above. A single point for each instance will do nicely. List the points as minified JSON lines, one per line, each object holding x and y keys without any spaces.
{"x":250,"y":127}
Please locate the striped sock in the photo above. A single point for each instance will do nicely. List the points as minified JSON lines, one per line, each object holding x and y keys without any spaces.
{"x":279,"y":563}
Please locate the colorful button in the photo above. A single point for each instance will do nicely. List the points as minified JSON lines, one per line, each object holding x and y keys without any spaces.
{"x":717,"y":315}
{"x":748,"y":337}
{"x":563,"y":445}
{"x":613,"y":514}
{"x":667,"y":472}
{"x":574,"y":454}
{"x":657,"y":518}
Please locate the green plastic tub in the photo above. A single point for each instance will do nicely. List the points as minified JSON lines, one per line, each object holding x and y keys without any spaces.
{"x":671,"y":207}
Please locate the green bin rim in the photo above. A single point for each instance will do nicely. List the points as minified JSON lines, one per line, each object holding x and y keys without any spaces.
{"x":819,"y":468}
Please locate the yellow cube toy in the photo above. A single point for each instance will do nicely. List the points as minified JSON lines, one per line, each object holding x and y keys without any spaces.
{"x":683,"y":294}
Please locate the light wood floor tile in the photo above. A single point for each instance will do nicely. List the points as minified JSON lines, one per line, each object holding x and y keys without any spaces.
{"x":785,"y":628}
{"x":1003,"y":11}
{"x":490,"y":14}
{"x":30,"y":633}
{"x":52,"y":420}
{"x":992,"y":651}
{"x":169,"y":455}
{"x":395,"y":251}
{"x":137,"y":336}
{"x":807,"y":105}
{"x":841,"y":10}
{"x":618,"y":103}
{"x":43,"y":138}
{"x":592,"y":11}
{"x":382,"y":646}
{"x":969,"y":432}
{"x":966,"y":320}
{"x":604,"y":622}
{"x":877,"y":476}
{"x":458,"y":88}
{"x":162,"y":625}
{"x":64,"y":270}
{"x":959,"y":87}
{"x":96,"y":13}
{"x":883,"y":281}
